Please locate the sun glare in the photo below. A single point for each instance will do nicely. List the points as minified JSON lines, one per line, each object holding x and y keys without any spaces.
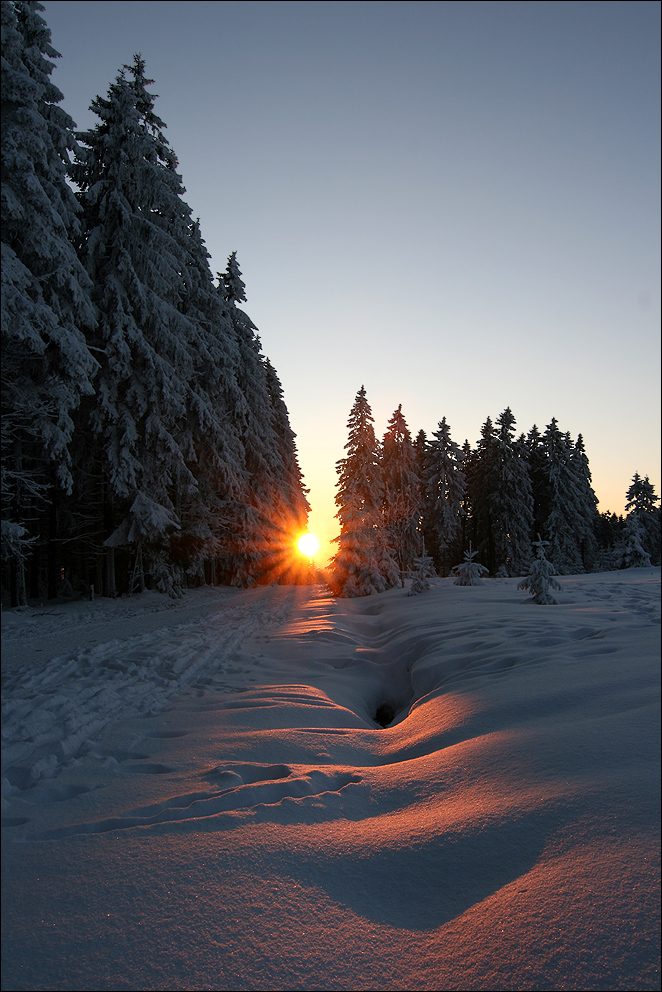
{"x":308,"y":545}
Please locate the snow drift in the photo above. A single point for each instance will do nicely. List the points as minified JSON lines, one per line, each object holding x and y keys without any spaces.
{"x":197,"y":795}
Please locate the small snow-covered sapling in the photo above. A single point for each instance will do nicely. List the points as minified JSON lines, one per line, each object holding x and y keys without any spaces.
{"x":540,"y":580}
{"x":424,"y":572}
{"x":470,"y":571}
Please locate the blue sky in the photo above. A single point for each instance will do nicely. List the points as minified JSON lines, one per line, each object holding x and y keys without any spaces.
{"x":456,"y":205}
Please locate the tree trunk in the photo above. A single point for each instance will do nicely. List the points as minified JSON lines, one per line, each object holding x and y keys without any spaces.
{"x":13,"y":583}
{"x":110,"y":572}
{"x":52,"y":558}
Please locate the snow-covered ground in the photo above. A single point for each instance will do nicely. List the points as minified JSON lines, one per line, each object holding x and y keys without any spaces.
{"x":196,"y":794}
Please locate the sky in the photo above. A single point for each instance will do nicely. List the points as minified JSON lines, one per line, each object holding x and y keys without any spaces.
{"x":456,"y":205}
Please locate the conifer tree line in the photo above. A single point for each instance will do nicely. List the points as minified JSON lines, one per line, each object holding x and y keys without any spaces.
{"x":411,"y":506}
{"x":145,"y":438}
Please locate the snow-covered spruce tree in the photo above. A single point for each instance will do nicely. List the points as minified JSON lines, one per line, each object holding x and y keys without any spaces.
{"x":537,"y":459}
{"x":540,"y":580}
{"x":482,"y":481}
{"x":420,"y":449}
{"x":469,"y":572}
{"x":292,"y":490}
{"x":500,"y":500}
{"x":402,"y":501}
{"x":362,"y":565}
{"x":570,"y":500}
{"x":274,"y":507}
{"x":46,"y":364}
{"x":230,"y":284}
{"x":634,"y":554}
{"x":137,"y":250}
{"x":211,"y":440}
{"x":468,"y":458}
{"x":420,"y":455}
{"x":290,"y":513}
{"x":445,"y":489}
{"x":641,"y":496}
{"x":642,"y":524}
{"x":511,"y":501}
{"x":586,"y":505}
{"x":251,"y":524}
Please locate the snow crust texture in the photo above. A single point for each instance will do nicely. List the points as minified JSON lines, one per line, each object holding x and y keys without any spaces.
{"x":197,"y":795}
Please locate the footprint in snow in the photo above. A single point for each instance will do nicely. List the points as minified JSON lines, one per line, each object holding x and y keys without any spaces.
{"x":242,"y":787}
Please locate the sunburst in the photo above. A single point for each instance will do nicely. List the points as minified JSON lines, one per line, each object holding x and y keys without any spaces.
{"x":308,"y":545}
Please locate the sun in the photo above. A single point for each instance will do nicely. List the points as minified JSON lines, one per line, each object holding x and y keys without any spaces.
{"x":308,"y":545}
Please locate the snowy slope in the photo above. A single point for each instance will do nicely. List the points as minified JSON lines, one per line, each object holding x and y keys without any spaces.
{"x":196,"y":795}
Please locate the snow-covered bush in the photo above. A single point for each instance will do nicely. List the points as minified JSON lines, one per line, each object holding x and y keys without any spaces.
{"x":470,"y":571}
{"x":15,"y":540}
{"x":166,"y":577}
{"x":540,"y":580}
{"x":424,"y":571}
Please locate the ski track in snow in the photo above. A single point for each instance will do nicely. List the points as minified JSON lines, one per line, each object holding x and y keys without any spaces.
{"x":52,"y":709}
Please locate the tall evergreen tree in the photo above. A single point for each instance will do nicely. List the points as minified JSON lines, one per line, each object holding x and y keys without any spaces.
{"x":291,"y":508}
{"x":212,"y":444}
{"x":482,"y":481}
{"x":402,"y":485}
{"x":563,"y":498}
{"x":136,"y":252}
{"x":185,"y":451}
{"x":362,"y":565}
{"x":292,"y":490}
{"x":643,"y":519}
{"x":641,"y":496}
{"x":420,"y":454}
{"x":231,"y":285}
{"x":586,"y":505}
{"x":254,"y":411}
{"x":445,"y":487}
{"x":468,"y":462}
{"x":46,"y":365}
{"x":537,"y":459}
{"x":500,"y":498}
{"x":511,"y":501}
{"x":274,"y":505}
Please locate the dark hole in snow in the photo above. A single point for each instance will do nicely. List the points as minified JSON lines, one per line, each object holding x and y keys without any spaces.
{"x":19,"y":777}
{"x":384,"y":715}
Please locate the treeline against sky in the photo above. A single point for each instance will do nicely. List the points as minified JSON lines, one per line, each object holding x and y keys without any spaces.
{"x":403,"y":501}
{"x":145,"y":438}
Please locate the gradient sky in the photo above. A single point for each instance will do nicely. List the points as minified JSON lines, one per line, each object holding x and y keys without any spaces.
{"x":456,"y":205}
